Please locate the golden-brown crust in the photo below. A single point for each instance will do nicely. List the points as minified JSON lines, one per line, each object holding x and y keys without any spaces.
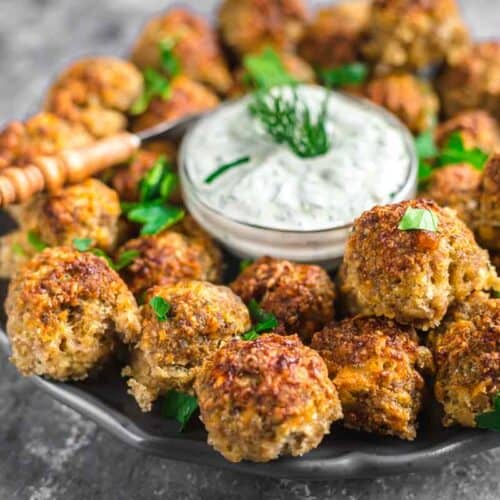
{"x":300,"y":296}
{"x":456,"y":187}
{"x":89,"y":209}
{"x":265,"y":398}
{"x":466,"y":348}
{"x":96,"y":92}
{"x":169,"y":257}
{"x":186,"y":97}
{"x":489,"y":214}
{"x":249,"y":25}
{"x":477,"y":128}
{"x":64,"y":310}
{"x":168,"y":355}
{"x":44,"y":134}
{"x":413,"y":34}
{"x":194,"y":44}
{"x":373,"y":364}
{"x":334,"y":36}
{"x":411,"y":99}
{"x":411,"y":276}
{"x":472,"y":81}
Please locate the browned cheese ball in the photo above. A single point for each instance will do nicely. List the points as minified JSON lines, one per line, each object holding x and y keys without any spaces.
{"x":89,"y":209}
{"x":194,"y":44}
{"x":466,"y":349}
{"x":44,"y":134}
{"x":66,"y":310}
{"x":334,"y":36}
{"x":374,"y":363}
{"x":411,"y":99}
{"x":186,"y":97}
{"x":168,"y":354}
{"x":266,"y":398}
{"x":456,"y":187}
{"x":472,"y":81}
{"x":299,"y":295}
{"x":126,"y":179}
{"x":96,"y":92}
{"x":411,"y":276}
{"x":249,"y":25}
{"x":414,"y":34}
{"x":488,"y":230}
{"x":169,"y":257}
{"x":477,"y":128}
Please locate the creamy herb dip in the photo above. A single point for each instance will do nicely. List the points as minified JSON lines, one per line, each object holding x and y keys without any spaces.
{"x":368,"y":162}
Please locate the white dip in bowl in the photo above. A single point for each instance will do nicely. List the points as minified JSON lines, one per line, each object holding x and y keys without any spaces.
{"x":283,"y":205}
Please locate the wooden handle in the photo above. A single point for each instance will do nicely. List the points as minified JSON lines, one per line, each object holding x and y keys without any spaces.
{"x":18,"y":184}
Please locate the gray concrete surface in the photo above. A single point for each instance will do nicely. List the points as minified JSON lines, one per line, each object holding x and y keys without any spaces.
{"x":49,"y":452}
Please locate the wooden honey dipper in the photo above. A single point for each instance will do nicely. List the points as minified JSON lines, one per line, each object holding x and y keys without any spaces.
{"x":19,"y":184}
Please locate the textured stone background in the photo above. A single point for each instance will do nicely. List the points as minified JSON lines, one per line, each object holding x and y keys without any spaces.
{"x":49,"y":452}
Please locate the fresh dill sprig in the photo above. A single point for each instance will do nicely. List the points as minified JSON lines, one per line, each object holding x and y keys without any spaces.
{"x":225,"y":167}
{"x":288,"y":120}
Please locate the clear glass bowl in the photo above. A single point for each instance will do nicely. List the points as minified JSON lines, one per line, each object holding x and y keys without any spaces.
{"x":324,"y":247}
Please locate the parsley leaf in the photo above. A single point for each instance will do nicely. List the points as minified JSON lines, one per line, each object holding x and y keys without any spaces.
{"x":18,"y":249}
{"x":36,"y":242}
{"x":495,"y":294}
{"x":425,"y":145}
{"x":266,"y":70}
{"x":82,"y":244}
{"x":418,"y":219}
{"x":454,"y":151}
{"x":158,"y":182}
{"x":125,"y":259}
{"x":245,"y":263}
{"x":169,"y":61}
{"x":155,"y":216}
{"x":341,"y":76}
{"x":263,"y":321}
{"x":155,"y":85}
{"x":490,"y":420}
{"x":180,"y":406}
{"x":226,"y":166}
{"x":161,"y":307}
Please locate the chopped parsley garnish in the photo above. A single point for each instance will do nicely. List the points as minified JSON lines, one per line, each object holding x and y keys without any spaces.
{"x":454,"y":151}
{"x":155,"y":85}
{"x":495,"y":294}
{"x":266,"y":70}
{"x":124,"y":259}
{"x":153,"y":210}
{"x":491,"y":419}
{"x":225,"y":167}
{"x":18,"y":249}
{"x":245,"y":263}
{"x":161,"y":307}
{"x":179,"y":406}
{"x":426,"y":150}
{"x":288,"y":120}
{"x":169,"y":61}
{"x":346,"y":75}
{"x":418,"y":219}
{"x":36,"y":242}
{"x":263,"y":321}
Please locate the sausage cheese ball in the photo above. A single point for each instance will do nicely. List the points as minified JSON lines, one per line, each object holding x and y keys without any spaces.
{"x":457,"y":187}
{"x":65,"y":311}
{"x":44,"y":134}
{"x":472,"y":81}
{"x":374,"y":364}
{"x":411,"y":99}
{"x":414,"y":34}
{"x":169,"y":257}
{"x":266,"y":398}
{"x":193,"y":43}
{"x":89,"y":209}
{"x":126,"y":179}
{"x":477,"y":128}
{"x":299,"y":295}
{"x":467,"y":352}
{"x":334,"y":36}
{"x":168,"y":354}
{"x":96,"y":93}
{"x":186,"y":97}
{"x":489,"y":214}
{"x":411,"y":276}
{"x":249,"y":25}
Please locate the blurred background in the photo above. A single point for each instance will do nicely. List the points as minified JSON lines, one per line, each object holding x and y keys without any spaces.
{"x":49,"y":452}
